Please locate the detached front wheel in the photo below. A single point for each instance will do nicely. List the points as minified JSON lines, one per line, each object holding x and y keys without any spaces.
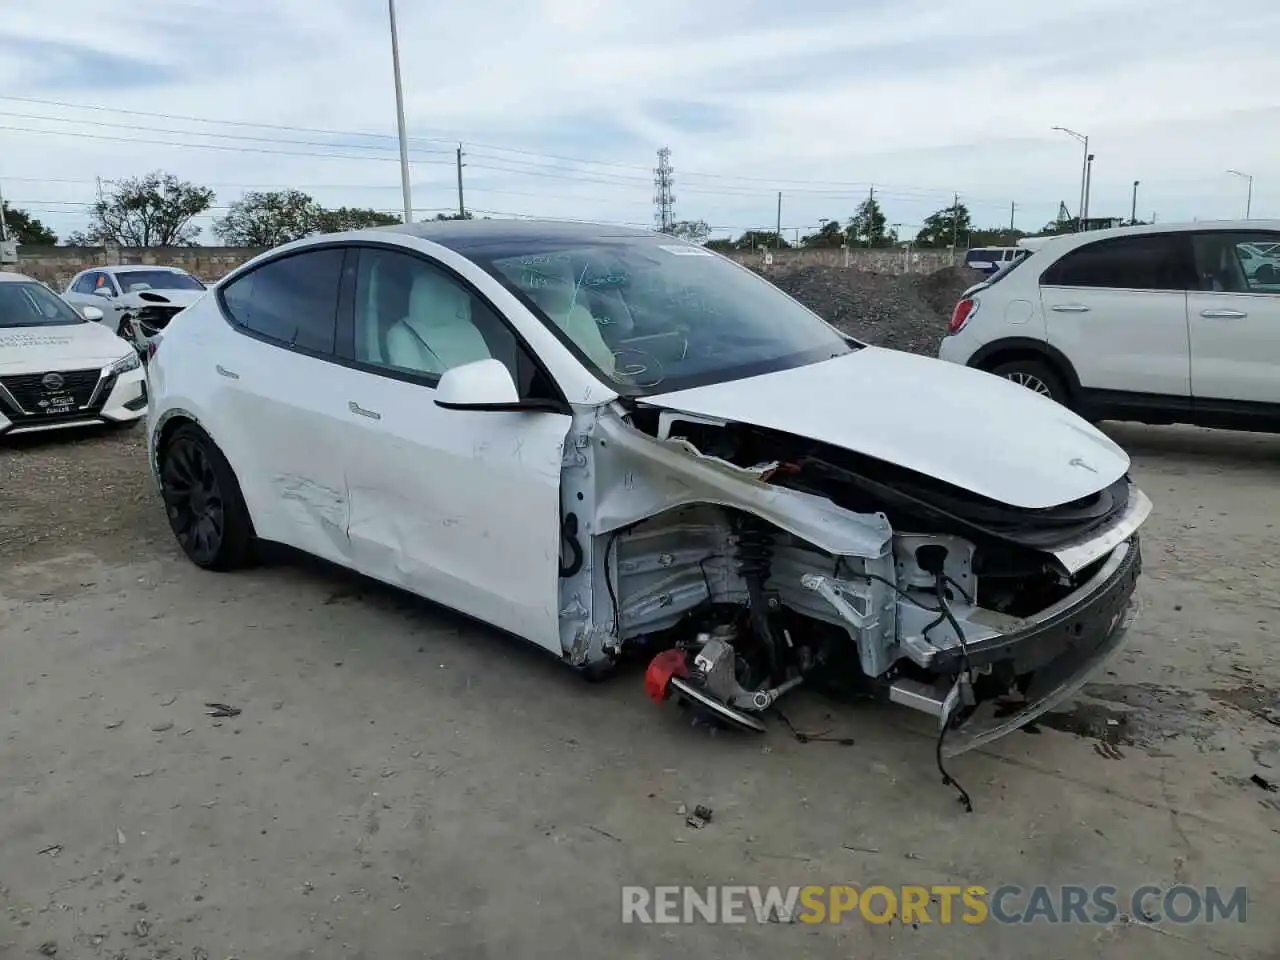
{"x":203,"y":502}
{"x":1037,"y":376}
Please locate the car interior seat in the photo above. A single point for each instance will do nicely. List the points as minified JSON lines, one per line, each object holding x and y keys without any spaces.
{"x":436,"y":332}
{"x":562,"y":302}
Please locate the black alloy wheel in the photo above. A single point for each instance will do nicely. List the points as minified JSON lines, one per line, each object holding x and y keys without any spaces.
{"x":203,"y":502}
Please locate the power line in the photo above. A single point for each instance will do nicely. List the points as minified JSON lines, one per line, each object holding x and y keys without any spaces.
{"x":790,"y":185}
{"x":201,"y":133}
{"x":209,"y":146}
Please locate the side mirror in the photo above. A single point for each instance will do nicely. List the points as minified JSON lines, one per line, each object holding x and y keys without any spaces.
{"x":91,"y":313}
{"x":481,"y":385}
{"x":104,"y":292}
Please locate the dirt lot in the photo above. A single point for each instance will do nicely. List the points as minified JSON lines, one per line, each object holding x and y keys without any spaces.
{"x":401,"y":783}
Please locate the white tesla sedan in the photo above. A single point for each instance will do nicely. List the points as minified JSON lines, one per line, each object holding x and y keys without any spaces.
{"x":59,"y":369}
{"x":596,"y":438}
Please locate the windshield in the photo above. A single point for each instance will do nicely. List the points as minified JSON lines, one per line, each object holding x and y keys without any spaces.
{"x":131,"y":281}
{"x":31,"y":304}
{"x":651,"y":315}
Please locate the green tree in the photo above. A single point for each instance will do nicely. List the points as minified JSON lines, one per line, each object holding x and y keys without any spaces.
{"x":150,"y":211}
{"x":26,"y":229}
{"x":353,"y":218}
{"x":866,"y":227}
{"x":828,"y":235}
{"x":695,"y":231}
{"x":268,"y":219}
{"x":759,"y":238}
{"x":941,"y":227}
{"x":453,"y":216}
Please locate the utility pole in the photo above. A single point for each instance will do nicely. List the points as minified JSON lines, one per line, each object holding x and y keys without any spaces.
{"x":1133,"y":209}
{"x":1013,"y":206}
{"x":777,"y":237}
{"x":955,"y":227}
{"x":405,"y":188}
{"x":462,"y":210}
{"x":4,"y":227}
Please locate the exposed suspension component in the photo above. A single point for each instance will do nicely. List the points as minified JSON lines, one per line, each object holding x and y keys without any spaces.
{"x":755,"y":559}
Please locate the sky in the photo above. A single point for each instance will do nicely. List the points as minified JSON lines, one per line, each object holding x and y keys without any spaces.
{"x":561,"y":105}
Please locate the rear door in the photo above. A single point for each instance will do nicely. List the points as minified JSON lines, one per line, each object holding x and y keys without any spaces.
{"x":278,"y":409}
{"x":1235,"y":318}
{"x":1118,"y":309}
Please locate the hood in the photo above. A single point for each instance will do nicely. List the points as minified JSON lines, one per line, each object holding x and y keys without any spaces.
{"x":162,"y":298}
{"x":964,"y":427}
{"x":67,"y":347}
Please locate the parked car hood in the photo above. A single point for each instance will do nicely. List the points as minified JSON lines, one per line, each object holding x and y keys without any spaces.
{"x":64,"y":347}
{"x":964,"y":427}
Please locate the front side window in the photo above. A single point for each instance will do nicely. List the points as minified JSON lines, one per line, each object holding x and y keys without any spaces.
{"x":652,"y":314}
{"x":131,"y":281}
{"x":412,"y":317}
{"x":1229,"y":262}
{"x":84,"y":284}
{"x":30,"y":304}
{"x":293,"y":300}
{"x":1150,"y":262}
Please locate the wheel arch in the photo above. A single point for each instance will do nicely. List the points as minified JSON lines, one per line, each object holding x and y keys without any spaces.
{"x":167,"y":425}
{"x":997,"y":352}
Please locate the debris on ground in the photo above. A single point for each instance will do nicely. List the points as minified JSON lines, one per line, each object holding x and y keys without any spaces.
{"x":700,"y":817}
{"x":1265,"y":784}
{"x":222,"y":710}
{"x":903,"y":312}
{"x":52,"y":850}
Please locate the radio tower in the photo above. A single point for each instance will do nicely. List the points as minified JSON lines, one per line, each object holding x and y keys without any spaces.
{"x":664,"y":201}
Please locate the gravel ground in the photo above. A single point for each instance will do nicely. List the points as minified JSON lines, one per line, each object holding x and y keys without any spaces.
{"x":403,"y":783}
{"x":903,"y":312}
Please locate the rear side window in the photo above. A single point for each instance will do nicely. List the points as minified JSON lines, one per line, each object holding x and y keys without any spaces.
{"x":293,"y":300}
{"x":1151,"y":262}
{"x":1235,"y":262}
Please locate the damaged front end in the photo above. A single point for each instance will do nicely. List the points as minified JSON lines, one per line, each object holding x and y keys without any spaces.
{"x":762,"y":560}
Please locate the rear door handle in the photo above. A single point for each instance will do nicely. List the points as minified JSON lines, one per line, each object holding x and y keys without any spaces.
{"x":356,"y":408}
{"x":1069,"y":308}
{"x":1223,"y":314}
{"x":224,"y":372}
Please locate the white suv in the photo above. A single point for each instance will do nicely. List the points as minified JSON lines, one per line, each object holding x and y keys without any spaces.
{"x":1159,"y":324}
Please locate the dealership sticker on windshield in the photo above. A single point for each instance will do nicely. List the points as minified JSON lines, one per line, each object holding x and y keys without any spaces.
{"x":685,"y":250}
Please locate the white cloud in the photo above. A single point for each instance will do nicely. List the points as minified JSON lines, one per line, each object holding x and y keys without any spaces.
{"x":753,"y":97}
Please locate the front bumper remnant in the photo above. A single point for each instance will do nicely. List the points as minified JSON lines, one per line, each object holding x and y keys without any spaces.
{"x":1053,"y":656}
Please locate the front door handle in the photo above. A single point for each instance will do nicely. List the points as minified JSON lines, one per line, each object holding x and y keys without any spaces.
{"x":224,"y":372}
{"x":356,"y":408}
{"x":1069,"y":308}
{"x":1223,"y":314}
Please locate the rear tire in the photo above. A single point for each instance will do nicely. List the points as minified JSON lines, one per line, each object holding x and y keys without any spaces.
{"x":1037,"y":376}
{"x":203,"y":502}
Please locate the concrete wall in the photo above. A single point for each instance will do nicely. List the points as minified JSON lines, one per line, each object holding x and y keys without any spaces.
{"x":57,"y":265}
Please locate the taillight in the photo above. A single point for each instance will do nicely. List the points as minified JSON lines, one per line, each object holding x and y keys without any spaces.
{"x":961,"y":314}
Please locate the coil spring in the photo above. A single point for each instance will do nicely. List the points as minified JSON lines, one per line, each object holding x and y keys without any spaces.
{"x":755,"y":547}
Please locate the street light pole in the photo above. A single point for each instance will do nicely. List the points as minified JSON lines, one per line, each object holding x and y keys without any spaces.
{"x":1088,"y":184}
{"x":1084,"y":173}
{"x":404,"y":145}
{"x":1248,"y":203}
{"x":1133,"y":211}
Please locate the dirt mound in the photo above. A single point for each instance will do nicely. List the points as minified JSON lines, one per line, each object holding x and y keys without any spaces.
{"x":903,"y":312}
